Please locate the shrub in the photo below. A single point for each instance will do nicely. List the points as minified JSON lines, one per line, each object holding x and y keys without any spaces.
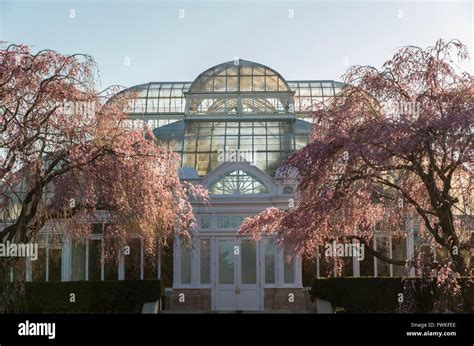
{"x":374,"y":294}
{"x":90,"y":296}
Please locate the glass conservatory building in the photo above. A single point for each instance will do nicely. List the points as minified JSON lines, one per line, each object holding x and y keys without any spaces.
{"x":233,"y":126}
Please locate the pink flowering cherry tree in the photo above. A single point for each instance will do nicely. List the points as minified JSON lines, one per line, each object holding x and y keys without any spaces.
{"x":396,"y":143}
{"x":66,"y":156}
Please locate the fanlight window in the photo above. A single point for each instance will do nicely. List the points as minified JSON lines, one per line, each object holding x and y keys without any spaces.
{"x":237,"y":182}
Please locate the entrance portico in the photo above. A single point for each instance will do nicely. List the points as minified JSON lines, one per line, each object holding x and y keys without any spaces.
{"x":224,"y":271}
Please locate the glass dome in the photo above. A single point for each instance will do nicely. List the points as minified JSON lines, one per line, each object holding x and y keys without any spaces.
{"x":239,"y":75}
{"x":239,"y":87}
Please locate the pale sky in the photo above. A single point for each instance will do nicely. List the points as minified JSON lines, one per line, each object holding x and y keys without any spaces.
{"x":177,"y":40}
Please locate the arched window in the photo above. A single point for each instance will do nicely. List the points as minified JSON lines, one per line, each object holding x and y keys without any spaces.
{"x":287,"y":190}
{"x":236,"y":183}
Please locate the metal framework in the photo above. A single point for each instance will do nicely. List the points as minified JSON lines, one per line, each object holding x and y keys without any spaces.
{"x":237,"y":182}
{"x":237,"y":105}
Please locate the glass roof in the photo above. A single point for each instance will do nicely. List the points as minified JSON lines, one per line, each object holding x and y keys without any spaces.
{"x":239,"y":76}
{"x":157,"y":97}
{"x":166,"y":100}
{"x":239,"y":87}
{"x":235,"y":106}
{"x":311,"y":95}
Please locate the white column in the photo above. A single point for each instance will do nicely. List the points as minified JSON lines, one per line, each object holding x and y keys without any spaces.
{"x":390,"y":253}
{"x":214,"y":264}
{"x":87,"y":260}
{"x":375,"y":258}
{"x":121,"y":270}
{"x":318,"y":269}
{"x":66,"y":260}
{"x":47,"y":262}
{"x":102,"y":255}
{"x":355,"y":260}
{"x":279,"y":259}
{"x":142,"y":261}
{"x":411,"y":244}
{"x":28,"y":268}
{"x":176,"y":262}
{"x":195,"y":260}
{"x":158,"y":270}
{"x":298,"y":272}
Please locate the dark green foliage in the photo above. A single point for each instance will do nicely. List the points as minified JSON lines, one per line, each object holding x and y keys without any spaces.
{"x":374,"y":294}
{"x":90,"y":296}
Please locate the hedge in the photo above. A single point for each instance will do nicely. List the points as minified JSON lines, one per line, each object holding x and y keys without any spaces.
{"x":90,"y":296}
{"x":373,"y":294}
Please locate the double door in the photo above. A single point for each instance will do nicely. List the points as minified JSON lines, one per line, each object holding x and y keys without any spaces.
{"x":237,"y":285}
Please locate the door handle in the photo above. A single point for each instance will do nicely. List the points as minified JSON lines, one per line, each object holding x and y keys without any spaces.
{"x":237,"y":290}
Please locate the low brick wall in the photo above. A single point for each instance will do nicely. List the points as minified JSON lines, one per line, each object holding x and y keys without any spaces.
{"x":194,"y":300}
{"x":275,"y":299}
{"x":287,"y":299}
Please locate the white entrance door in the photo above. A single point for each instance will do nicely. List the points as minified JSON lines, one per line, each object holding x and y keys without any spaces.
{"x":237,"y":286}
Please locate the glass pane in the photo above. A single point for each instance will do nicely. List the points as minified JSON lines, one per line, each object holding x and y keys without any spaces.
{"x":226,"y":261}
{"x":232,"y":71}
{"x":367,"y":265}
{"x":185,"y":264}
{"x":236,"y":221}
{"x":289,"y":270}
{"x":39,"y":266}
{"x":78,"y":259}
{"x":248,"y":262}
{"x":246,"y":83}
{"x":383,"y":268}
{"x":246,"y":70}
{"x":97,"y":228}
{"x":19,"y":270}
{"x":205,"y":261}
{"x":5,"y":270}
{"x":132,"y":261}
{"x":111,"y":270}
{"x":219,"y":83}
{"x":232,"y":83}
{"x":95,"y":259}
{"x":258,"y":83}
{"x":150,"y":270}
{"x":205,"y":221}
{"x":347,"y":268}
{"x":269,"y":261}
{"x":399,"y":252}
{"x":272,"y":83}
{"x":54,"y":265}
{"x":223,"y":222}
